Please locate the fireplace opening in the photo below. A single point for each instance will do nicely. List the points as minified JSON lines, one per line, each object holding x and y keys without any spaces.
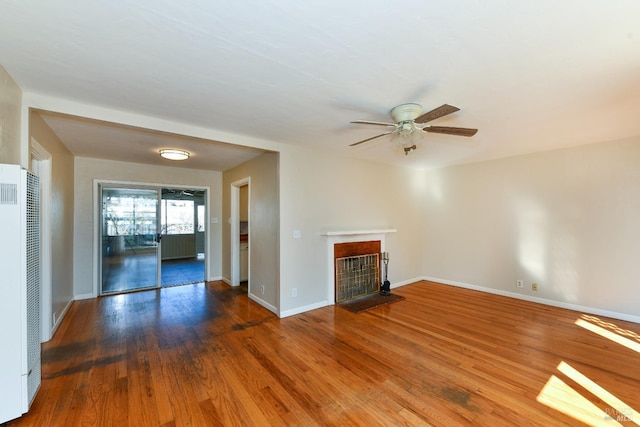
{"x":357,"y":269}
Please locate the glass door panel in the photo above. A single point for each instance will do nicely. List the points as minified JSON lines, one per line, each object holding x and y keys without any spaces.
{"x":130,"y":253}
{"x":183,"y":242}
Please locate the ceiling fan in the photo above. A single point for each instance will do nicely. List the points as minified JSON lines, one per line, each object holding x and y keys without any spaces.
{"x":409,"y":121}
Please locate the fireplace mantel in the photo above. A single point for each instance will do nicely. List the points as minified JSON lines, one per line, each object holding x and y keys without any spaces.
{"x":357,"y":232}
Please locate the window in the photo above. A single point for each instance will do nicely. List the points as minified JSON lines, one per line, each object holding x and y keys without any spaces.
{"x":177,"y":216}
{"x":129,"y":212}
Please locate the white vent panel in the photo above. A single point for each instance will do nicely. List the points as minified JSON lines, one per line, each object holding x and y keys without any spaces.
{"x":20,"y":371}
{"x":33,"y":285}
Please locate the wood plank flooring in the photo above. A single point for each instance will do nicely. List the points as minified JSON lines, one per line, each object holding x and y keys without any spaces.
{"x":206,"y":355}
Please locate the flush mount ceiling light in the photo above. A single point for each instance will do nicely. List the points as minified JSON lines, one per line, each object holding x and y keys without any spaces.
{"x":173,"y":154}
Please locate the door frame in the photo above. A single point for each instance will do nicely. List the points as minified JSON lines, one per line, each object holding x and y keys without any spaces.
{"x":97,"y":248}
{"x":235,"y":230}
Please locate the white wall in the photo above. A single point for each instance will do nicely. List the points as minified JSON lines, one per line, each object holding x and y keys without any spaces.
{"x":11,"y":142}
{"x":321,"y":191}
{"x":568,"y":220}
{"x":87,"y":169}
{"x":10,"y":115}
{"x":263,"y":223}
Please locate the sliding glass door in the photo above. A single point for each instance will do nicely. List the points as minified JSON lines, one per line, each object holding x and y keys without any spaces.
{"x":130,"y":240}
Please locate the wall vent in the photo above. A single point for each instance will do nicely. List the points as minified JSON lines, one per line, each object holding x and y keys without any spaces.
{"x":8,"y":194}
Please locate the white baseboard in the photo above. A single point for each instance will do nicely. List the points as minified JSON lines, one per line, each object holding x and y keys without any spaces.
{"x":226,"y":280}
{"x":553,"y":303}
{"x":60,"y":317}
{"x":215,"y":279}
{"x":406,"y":282}
{"x":303,"y":309}
{"x":265,"y":304}
{"x":84,"y":296}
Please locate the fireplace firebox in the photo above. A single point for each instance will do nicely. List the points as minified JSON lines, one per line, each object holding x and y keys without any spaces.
{"x":348,"y":243}
{"x":357,"y":269}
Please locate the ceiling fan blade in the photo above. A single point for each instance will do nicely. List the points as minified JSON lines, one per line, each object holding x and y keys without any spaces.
{"x":442,"y":110}
{"x":450,"y":130}
{"x":369,"y":139}
{"x":366,"y":122}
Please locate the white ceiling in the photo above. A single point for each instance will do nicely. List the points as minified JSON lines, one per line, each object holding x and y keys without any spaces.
{"x":104,"y":140}
{"x":531,"y":75}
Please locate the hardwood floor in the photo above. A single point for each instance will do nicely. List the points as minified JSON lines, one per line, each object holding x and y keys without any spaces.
{"x":205,"y":354}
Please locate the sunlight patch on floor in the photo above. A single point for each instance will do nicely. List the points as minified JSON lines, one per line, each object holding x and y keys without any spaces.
{"x":560,"y":396}
{"x":616,"y":404}
{"x":557,"y":395}
{"x":608,"y":334}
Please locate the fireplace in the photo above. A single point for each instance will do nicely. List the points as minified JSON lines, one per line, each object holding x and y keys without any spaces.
{"x":353,"y":239}
{"x":357,"y":269}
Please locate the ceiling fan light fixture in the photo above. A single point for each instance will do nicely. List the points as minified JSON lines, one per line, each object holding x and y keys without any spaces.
{"x":406,"y":129}
{"x":174,"y":154}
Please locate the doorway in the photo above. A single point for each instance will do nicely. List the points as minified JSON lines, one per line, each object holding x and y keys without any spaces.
{"x":241,"y":233}
{"x":244,"y":235}
{"x":183,"y":238}
{"x":151,"y":237}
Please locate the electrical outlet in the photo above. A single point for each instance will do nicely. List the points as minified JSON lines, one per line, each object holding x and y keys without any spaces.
{"x":534,"y":286}
{"x":294,"y":292}
{"x":262,"y":289}
{"x":520,"y":283}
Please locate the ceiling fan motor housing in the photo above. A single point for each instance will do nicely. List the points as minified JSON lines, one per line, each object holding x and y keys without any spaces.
{"x":406,"y":112}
